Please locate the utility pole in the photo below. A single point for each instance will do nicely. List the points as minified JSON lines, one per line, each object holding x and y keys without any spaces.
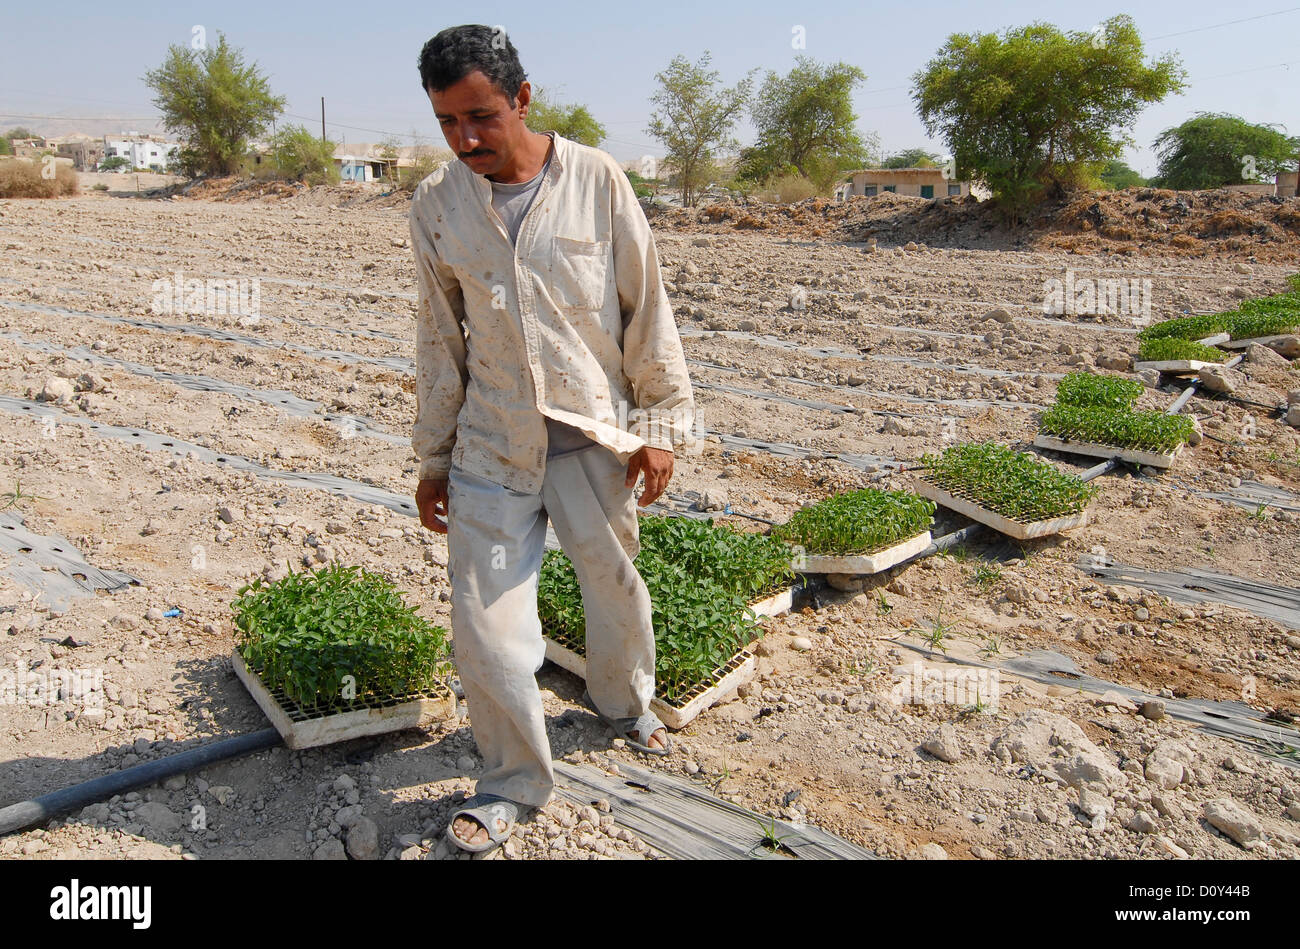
{"x":322,"y":120}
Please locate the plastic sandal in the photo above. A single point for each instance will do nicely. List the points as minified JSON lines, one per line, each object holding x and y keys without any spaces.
{"x":487,"y":809}
{"x":646,"y":726}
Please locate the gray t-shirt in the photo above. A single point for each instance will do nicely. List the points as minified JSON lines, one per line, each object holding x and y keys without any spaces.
{"x":512,"y":202}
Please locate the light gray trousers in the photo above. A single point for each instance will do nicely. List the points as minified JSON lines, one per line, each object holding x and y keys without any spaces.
{"x":495,"y":541}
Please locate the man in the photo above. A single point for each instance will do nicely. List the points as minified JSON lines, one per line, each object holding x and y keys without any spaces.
{"x":550,"y":377}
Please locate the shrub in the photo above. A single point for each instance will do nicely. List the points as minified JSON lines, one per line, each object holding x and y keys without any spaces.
{"x":304,"y":633}
{"x":298,"y":155}
{"x":20,"y":178}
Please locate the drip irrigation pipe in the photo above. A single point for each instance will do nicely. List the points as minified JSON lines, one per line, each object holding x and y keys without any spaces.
{"x":24,"y":814}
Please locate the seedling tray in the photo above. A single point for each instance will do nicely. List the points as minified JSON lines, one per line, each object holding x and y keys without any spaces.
{"x":1020,"y":530}
{"x":1175,"y":366}
{"x":1094,"y":450}
{"x":1262,"y":340}
{"x":862,"y":564}
{"x":737,"y":671}
{"x":307,"y":728}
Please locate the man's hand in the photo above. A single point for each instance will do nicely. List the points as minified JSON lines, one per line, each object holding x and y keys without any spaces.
{"x":431,"y":501}
{"x":657,"y":465}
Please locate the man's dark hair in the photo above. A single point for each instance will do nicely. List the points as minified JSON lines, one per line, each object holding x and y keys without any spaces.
{"x":459,"y":50}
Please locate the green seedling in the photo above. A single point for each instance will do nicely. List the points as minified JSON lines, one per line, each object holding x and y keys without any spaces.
{"x":1096,"y":391}
{"x":337,"y":635}
{"x":883,"y":606}
{"x":986,"y":574}
{"x":857,"y":522}
{"x":1169,"y":348}
{"x":865,"y":668}
{"x":938,"y":633}
{"x":16,"y":495}
{"x":992,"y":646}
{"x":1014,"y":484}
{"x":1122,"y":428}
{"x":1261,"y":513}
{"x":701,"y":578}
{"x":771,"y":840}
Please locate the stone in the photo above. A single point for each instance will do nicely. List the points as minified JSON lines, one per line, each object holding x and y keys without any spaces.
{"x":933,"y":851}
{"x":1235,"y":821}
{"x":998,"y":315}
{"x":1287,"y":345}
{"x":1142,"y":823}
{"x":1219,"y":379}
{"x":1057,"y":746}
{"x":1113,"y":699}
{"x":1168,"y":765}
{"x":331,"y":849}
{"x":944,"y":744}
{"x":1149,"y":378}
{"x":363,"y":839}
{"x":229,"y":515}
{"x":1153,"y":709}
{"x":57,"y":390}
{"x":1198,"y":433}
{"x":343,"y":784}
{"x":801,"y":643}
{"x":157,"y":817}
{"x":1264,"y":356}
{"x":1117,"y":361}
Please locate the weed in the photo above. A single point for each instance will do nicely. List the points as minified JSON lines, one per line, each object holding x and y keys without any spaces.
{"x":992,"y":646}
{"x":986,"y":574}
{"x":883,"y":606}
{"x":771,"y":840}
{"x":17,"y":495}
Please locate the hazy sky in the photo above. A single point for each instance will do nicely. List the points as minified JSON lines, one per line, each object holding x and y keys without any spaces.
{"x":86,"y":60}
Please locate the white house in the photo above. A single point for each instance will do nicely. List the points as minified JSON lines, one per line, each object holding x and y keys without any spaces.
{"x":140,"y":151}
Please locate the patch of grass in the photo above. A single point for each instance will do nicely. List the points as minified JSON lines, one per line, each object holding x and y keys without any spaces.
{"x":308,"y":631}
{"x":938,"y":634}
{"x":1147,"y":431}
{"x":857,"y":522}
{"x":1015,"y":484}
{"x":23,"y":178}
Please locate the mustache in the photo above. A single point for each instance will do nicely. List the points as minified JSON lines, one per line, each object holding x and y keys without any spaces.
{"x":476,"y":153}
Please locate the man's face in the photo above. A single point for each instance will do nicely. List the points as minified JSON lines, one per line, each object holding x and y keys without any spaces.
{"x":481,"y":125}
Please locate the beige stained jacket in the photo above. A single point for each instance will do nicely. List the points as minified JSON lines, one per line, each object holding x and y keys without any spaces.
{"x":572,"y":323}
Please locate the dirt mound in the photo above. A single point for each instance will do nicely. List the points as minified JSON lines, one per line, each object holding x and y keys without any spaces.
{"x":1182,"y":223}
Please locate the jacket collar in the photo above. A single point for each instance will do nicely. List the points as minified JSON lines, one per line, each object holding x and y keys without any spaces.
{"x":558,"y":161}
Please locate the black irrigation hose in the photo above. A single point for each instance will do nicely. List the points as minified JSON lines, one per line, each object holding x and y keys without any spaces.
{"x":38,"y":810}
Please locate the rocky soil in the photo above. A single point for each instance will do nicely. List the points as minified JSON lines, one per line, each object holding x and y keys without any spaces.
{"x":803,"y":348}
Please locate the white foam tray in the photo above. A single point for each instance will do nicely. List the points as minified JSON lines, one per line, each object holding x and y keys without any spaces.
{"x":1094,"y":450}
{"x":1017,"y":529}
{"x":862,"y":564}
{"x":341,"y":726}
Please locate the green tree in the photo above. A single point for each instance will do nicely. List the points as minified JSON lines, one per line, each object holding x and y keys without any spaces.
{"x":5,"y":147}
{"x":912,"y":158}
{"x":1213,"y":149}
{"x":215,"y":103}
{"x":805,"y":122}
{"x":1036,"y":112}
{"x":299,"y":155}
{"x":113,"y":163}
{"x":20,"y":131}
{"x":1117,"y":175}
{"x":694,"y":120}
{"x":573,"y":122}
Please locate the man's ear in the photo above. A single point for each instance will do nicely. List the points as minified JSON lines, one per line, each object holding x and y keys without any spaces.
{"x":524,"y":96}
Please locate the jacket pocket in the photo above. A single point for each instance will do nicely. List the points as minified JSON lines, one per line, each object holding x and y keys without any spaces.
{"x":579,"y":273}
